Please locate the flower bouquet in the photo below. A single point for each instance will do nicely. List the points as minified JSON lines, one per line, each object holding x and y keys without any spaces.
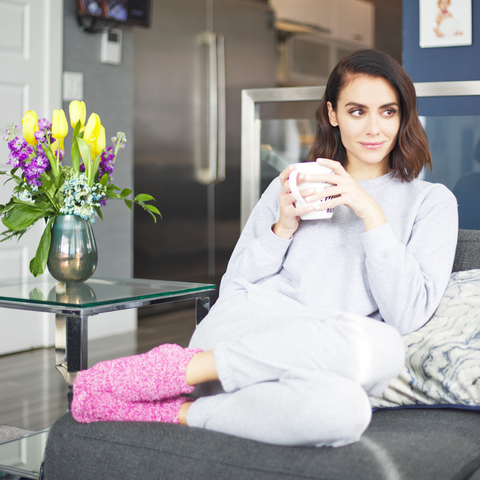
{"x":45,"y":188}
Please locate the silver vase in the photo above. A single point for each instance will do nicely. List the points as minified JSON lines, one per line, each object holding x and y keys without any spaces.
{"x":73,"y":253}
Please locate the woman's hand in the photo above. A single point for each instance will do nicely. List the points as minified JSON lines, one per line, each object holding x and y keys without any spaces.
{"x":289,"y":214}
{"x":346,"y":191}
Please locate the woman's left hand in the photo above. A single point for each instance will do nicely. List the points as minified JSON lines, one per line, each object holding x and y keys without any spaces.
{"x":346,"y":191}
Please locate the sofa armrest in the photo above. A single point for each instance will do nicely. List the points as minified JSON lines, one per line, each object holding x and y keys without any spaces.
{"x":467,"y":256}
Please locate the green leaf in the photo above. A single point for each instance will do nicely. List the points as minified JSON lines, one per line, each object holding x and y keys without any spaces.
{"x":47,"y":181}
{"x":84,"y":152}
{"x":143,"y":197}
{"x":17,"y":179}
{"x":113,"y":187}
{"x":104,"y":180}
{"x":153,"y":215}
{"x":125,"y":192}
{"x":110,"y":194}
{"x":39,"y":261}
{"x":153,"y":209}
{"x":75,"y":154}
{"x":78,"y":126}
{"x":128,"y":203}
{"x":51,"y":158}
{"x":9,"y":234}
{"x":99,"y":212}
{"x":7,"y":207}
{"x":21,"y":217}
{"x":36,"y":294}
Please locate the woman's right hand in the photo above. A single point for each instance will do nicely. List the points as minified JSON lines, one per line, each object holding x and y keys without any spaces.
{"x":289,"y":214}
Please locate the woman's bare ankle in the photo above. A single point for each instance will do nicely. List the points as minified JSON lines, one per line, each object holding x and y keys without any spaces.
{"x":182,"y":414}
{"x":201,"y":368}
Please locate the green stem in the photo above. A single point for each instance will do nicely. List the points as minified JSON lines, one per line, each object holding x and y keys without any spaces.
{"x":52,"y":160}
{"x":91,"y":178}
{"x":52,"y":202}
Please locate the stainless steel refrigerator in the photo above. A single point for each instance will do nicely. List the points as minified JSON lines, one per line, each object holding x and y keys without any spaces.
{"x":190,"y":68}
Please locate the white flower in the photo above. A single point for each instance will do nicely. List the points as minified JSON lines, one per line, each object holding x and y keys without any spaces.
{"x":25,"y":196}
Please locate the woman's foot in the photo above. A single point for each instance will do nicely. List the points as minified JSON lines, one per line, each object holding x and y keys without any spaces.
{"x":155,"y":375}
{"x":106,"y":407}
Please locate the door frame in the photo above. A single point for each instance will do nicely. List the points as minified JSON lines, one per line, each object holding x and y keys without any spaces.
{"x":50,"y":98}
{"x":54,"y":47}
{"x":52,"y":94}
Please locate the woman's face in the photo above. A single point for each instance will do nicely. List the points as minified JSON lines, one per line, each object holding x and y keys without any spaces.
{"x":368,"y":116}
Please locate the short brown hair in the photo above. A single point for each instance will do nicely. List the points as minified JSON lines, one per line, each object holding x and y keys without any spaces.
{"x":411,"y":152}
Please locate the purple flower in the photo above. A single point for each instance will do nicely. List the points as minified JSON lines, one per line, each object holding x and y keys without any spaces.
{"x":44,"y":131}
{"x":14,"y":161}
{"x":34,"y":169}
{"x":43,"y":123}
{"x":106,"y":165}
{"x":42,"y":162}
{"x":20,"y":151}
{"x":18,"y":144}
{"x":40,"y":136}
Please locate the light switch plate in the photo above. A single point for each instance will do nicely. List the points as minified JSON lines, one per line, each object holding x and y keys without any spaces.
{"x":72,"y":86}
{"x":111,"y":51}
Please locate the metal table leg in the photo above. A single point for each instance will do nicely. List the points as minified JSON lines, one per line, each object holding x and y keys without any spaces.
{"x":71,"y":348}
{"x":203,"y":305}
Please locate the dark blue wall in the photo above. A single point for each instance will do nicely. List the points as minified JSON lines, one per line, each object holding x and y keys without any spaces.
{"x":441,"y":64}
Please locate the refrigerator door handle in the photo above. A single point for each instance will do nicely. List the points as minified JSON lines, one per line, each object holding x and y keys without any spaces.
{"x":206,"y":153}
{"x":214,"y":170}
{"x":213,"y":108}
{"x":222,"y":133}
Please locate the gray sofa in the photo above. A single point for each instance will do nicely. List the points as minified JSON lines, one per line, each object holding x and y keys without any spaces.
{"x":399,"y":444}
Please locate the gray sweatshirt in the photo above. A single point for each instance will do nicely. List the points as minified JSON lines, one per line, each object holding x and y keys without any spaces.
{"x":397,"y":272}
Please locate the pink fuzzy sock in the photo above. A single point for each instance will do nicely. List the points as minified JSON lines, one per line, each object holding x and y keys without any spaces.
{"x":106,"y":407}
{"x":151,"y":376}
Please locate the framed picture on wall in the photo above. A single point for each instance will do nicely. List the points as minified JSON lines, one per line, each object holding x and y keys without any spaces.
{"x":445,"y":23}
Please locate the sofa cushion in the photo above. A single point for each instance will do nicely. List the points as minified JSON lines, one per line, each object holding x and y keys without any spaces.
{"x":442,"y":365}
{"x":398,"y":444}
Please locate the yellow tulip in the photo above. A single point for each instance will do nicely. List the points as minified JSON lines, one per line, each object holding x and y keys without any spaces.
{"x":99,"y":145}
{"x":31,"y":113}
{"x":92,"y":129}
{"x":78,"y":113}
{"x":59,"y":126}
{"x":30,"y":126}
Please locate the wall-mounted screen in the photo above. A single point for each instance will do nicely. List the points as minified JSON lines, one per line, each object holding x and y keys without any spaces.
{"x":136,"y":12}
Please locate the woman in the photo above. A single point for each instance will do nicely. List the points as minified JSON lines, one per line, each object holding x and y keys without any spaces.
{"x":310,"y":313}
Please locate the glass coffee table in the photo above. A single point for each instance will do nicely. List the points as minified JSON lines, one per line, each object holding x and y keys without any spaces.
{"x":72,"y":305}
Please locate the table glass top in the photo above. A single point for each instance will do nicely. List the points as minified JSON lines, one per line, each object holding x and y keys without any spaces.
{"x":97,"y":291}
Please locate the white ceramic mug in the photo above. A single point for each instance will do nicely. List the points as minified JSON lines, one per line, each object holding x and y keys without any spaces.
{"x":310,"y":168}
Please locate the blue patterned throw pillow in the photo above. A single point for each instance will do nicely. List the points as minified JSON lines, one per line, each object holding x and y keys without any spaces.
{"x":442,"y":367}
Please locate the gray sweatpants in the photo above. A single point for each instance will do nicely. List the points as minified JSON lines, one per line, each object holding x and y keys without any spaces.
{"x":290,"y":374}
